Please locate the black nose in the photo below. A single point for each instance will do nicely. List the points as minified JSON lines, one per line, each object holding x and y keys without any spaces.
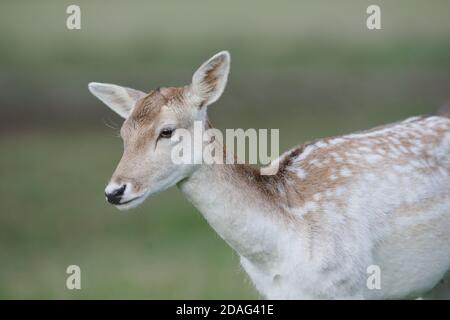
{"x":115,"y":196}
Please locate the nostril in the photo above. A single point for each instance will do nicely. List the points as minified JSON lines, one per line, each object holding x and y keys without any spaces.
{"x":121,"y":190}
{"x":115,"y":196}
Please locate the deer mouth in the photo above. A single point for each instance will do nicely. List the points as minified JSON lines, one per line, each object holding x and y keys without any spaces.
{"x":132,"y":203}
{"x":129,"y":201}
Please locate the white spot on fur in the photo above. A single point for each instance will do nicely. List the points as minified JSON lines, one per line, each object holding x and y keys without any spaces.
{"x":373,"y":158}
{"x":346,"y":172}
{"x":301,"y":173}
{"x":317,"y":196}
{"x":310,"y":206}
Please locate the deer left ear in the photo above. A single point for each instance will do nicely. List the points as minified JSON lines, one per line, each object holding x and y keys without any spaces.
{"x":210,"y":79}
{"x":119,"y":99}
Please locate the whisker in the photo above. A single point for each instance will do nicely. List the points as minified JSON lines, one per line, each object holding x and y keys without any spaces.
{"x":112,"y":125}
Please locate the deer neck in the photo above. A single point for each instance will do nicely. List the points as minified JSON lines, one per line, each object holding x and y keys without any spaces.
{"x":239,"y":206}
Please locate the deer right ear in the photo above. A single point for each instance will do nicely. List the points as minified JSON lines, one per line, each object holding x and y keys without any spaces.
{"x":210,"y":79}
{"x":120,"y":99}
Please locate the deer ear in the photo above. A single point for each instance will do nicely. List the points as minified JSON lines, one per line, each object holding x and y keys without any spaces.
{"x":210,"y":79}
{"x":119,"y":99}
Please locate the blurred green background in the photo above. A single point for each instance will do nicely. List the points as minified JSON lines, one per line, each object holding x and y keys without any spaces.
{"x":309,"y":68}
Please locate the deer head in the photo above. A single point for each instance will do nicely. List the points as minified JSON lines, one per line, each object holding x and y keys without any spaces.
{"x":152,"y":122}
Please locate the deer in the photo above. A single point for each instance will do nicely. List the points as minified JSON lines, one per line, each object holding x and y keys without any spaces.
{"x":335,"y":209}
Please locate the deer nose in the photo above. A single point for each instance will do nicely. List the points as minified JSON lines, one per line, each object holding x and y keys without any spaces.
{"x":115,"y":195}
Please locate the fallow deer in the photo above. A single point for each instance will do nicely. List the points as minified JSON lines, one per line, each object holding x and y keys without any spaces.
{"x":335,"y":207}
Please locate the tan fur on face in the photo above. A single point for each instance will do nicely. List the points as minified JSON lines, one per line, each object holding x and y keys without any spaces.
{"x":150,"y":106}
{"x":147,"y":110}
{"x":140,"y":135}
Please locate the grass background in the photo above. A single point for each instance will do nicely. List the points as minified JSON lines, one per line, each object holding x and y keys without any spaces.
{"x":309,"y":68}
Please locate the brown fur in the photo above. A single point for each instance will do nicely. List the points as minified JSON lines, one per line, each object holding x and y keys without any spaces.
{"x":291,"y":190}
{"x":149,"y":106}
{"x":211,"y":77}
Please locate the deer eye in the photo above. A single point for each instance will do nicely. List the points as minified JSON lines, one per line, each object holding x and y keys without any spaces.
{"x":166,"y":133}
